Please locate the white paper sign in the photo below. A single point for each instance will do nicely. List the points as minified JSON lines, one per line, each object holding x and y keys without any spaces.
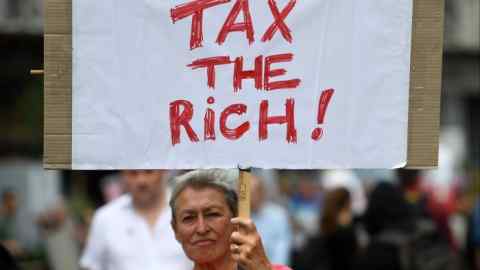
{"x":222,"y":83}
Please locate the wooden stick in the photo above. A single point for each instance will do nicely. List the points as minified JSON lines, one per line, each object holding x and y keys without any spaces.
{"x":244,"y":183}
{"x":36,"y":72}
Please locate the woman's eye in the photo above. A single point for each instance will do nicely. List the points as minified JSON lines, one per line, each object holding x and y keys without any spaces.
{"x":187,"y":219}
{"x":213,"y":214}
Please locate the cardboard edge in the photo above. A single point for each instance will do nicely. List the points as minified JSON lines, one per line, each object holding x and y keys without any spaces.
{"x":425,"y":81}
{"x":57,"y":79}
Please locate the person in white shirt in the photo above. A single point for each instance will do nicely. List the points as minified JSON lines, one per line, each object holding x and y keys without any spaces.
{"x":133,"y":232}
{"x":272,"y":223}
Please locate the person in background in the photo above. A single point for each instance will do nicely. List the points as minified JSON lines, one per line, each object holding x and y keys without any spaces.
{"x":335,"y":245}
{"x":399,"y":238}
{"x":336,"y":225}
{"x":476,"y":234}
{"x":272,"y":223}
{"x":6,"y":259}
{"x":389,"y":220}
{"x":204,"y":205}
{"x":133,"y":231}
{"x":304,"y":207}
{"x":423,"y":203}
{"x":410,"y":182}
{"x":8,"y":223}
{"x":460,"y":223}
{"x":349,"y":180}
{"x":112,"y":187}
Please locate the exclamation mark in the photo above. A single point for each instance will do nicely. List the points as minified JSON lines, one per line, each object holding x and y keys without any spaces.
{"x":325,"y":98}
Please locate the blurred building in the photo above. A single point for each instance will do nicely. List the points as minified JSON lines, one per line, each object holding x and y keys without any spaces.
{"x":21,"y":105}
{"x":21,"y":16}
{"x":461,"y":82}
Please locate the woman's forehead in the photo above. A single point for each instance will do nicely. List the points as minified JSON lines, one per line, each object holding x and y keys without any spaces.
{"x":200,"y":198}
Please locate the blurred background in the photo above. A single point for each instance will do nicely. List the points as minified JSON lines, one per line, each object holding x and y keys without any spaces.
{"x":45,"y":215}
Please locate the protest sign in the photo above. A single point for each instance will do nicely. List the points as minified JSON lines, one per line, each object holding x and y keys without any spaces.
{"x":227,"y":83}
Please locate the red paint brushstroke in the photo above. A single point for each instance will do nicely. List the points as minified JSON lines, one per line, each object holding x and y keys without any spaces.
{"x":230,"y":25}
{"x":210,"y":64}
{"x":209,"y":125}
{"x":317,"y":134}
{"x":323,"y":103}
{"x":288,"y":118}
{"x":195,"y":9}
{"x":269,"y":73}
{"x":279,"y":22}
{"x":183,"y":118}
{"x":233,"y":133}
{"x":239,"y":74}
{"x":209,"y":122}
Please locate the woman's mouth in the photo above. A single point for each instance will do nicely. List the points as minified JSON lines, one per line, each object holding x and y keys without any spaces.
{"x":202,"y":243}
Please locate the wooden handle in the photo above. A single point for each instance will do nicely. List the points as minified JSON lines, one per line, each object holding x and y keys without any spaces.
{"x":244,"y":183}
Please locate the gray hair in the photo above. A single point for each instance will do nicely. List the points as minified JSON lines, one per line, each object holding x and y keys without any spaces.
{"x":223,"y":180}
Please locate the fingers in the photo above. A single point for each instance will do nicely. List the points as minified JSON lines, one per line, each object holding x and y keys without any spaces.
{"x":242,"y":260}
{"x":242,"y":254}
{"x":249,"y":258}
{"x":241,"y":251}
{"x":246,"y":246}
{"x":243,"y":241}
{"x":246,"y":234}
{"x":244,"y":224}
{"x":240,"y":239}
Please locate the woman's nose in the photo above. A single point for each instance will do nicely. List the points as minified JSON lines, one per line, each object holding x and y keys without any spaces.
{"x":202,"y":226}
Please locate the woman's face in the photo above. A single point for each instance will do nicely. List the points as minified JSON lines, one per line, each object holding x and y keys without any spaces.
{"x":202,"y":224}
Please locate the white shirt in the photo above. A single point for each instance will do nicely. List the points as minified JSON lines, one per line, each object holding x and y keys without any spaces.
{"x":273,"y":225}
{"x":120,"y":239}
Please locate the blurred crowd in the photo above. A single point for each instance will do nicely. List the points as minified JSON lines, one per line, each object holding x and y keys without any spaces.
{"x":309,"y":220}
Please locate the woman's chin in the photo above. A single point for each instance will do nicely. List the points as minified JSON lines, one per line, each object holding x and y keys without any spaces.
{"x":202,"y":255}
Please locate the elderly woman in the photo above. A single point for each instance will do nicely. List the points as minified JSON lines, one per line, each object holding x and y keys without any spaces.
{"x":204,"y":209}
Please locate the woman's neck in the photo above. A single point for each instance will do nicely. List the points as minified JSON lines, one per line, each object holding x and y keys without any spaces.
{"x":225,"y":264}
